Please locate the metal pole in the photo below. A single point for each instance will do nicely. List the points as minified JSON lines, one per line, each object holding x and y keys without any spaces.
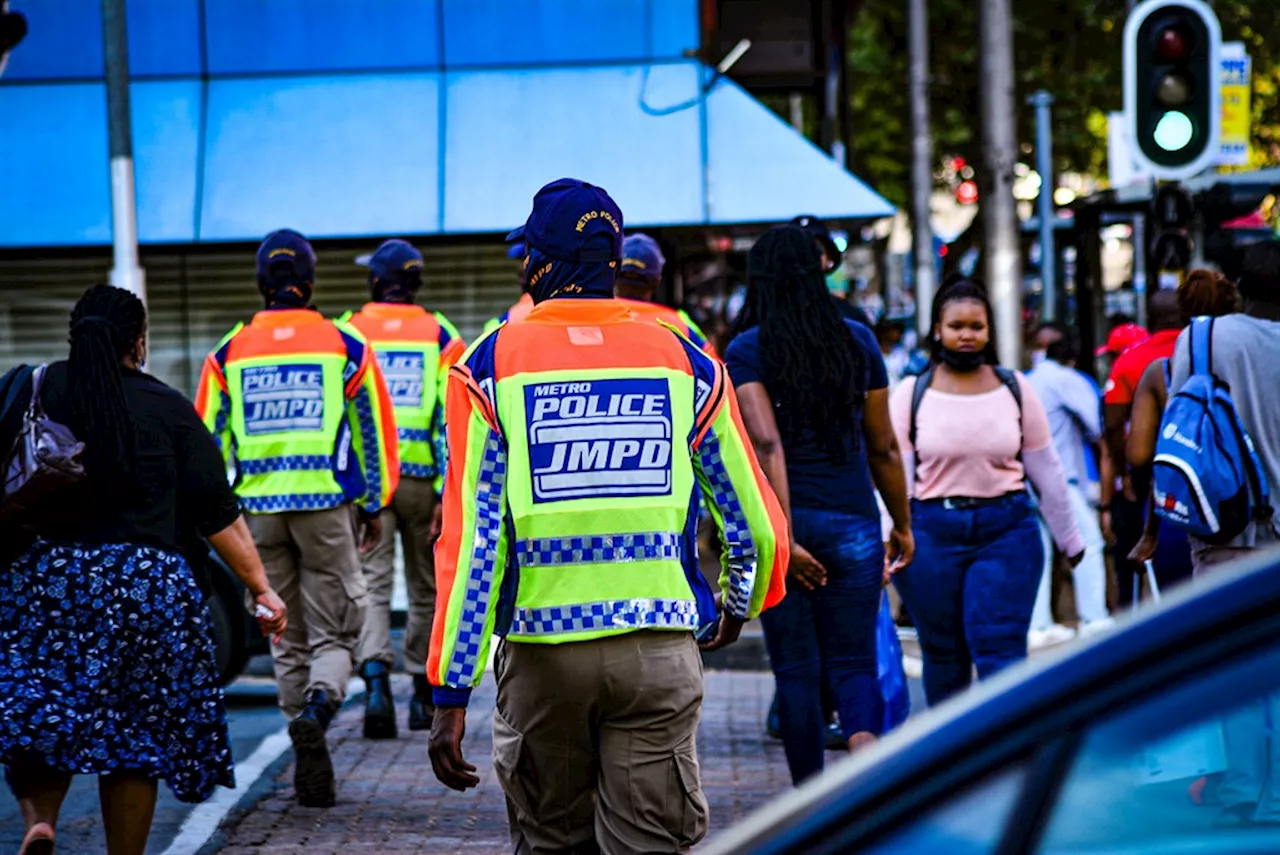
{"x":125,"y":271}
{"x":1000,"y":152}
{"x":1140,"y":269}
{"x":1042,"y":100}
{"x":921,"y":164}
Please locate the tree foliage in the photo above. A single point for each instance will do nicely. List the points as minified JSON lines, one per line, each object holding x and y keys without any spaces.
{"x":1072,"y":48}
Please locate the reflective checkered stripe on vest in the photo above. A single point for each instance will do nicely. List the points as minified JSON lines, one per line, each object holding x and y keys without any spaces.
{"x":407,"y":341}
{"x":599,"y":489}
{"x":287,"y":414}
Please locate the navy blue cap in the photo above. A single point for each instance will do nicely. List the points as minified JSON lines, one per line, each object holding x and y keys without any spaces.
{"x":822,"y":235}
{"x":642,"y":255}
{"x":286,"y":245}
{"x":516,"y":250}
{"x":392,"y":257}
{"x":573,"y":221}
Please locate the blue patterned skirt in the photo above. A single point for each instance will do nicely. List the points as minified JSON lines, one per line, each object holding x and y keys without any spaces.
{"x":107,"y":665}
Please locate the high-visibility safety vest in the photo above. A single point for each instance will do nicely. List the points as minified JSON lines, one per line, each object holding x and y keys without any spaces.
{"x":677,"y":318}
{"x":696,"y":332}
{"x":415,"y":349}
{"x":579,"y":443}
{"x":298,"y":404}
{"x":518,"y":311}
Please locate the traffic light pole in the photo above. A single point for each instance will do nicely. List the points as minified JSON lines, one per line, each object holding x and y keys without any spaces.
{"x":1042,"y":100}
{"x":921,"y":165}
{"x":125,"y":271}
{"x":1000,"y":154}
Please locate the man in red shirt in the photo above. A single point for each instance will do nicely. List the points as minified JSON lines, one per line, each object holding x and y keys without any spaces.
{"x":1126,"y":510}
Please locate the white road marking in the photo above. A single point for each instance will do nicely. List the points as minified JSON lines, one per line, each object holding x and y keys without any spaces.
{"x":204,"y":819}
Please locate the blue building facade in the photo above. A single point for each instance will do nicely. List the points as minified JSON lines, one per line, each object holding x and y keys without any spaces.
{"x":434,"y":120}
{"x":424,"y":117}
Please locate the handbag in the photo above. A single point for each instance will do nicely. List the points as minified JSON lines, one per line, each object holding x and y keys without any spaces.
{"x":45,"y":460}
{"x":890,"y":674}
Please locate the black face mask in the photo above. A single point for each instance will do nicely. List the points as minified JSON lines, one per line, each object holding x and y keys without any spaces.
{"x":962,"y":360}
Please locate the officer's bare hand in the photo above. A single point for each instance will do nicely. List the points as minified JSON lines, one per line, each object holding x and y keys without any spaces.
{"x":730,"y":629}
{"x":447,"y":729}
{"x":370,"y":530}
{"x":437,"y":523}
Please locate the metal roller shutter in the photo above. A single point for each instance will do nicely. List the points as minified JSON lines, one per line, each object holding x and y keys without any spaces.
{"x":194,"y":298}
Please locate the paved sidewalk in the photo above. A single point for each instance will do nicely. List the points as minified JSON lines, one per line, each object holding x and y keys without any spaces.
{"x":390,"y":802}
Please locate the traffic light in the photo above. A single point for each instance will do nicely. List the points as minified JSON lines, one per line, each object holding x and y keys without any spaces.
{"x":13,"y":28}
{"x":1170,"y":252}
{"x":1172,"y":94}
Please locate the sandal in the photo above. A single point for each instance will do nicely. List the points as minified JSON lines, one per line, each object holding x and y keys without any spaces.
{"x":39,"y":840}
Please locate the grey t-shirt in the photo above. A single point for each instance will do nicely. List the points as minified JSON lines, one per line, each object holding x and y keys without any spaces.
{"x":1246,"y":353}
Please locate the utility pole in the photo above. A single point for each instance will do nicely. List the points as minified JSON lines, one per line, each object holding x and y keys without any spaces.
{"x":921,"y":164}
{"x":1003,"y":266}
{"x":1042,"y":100}
{"x":125,"y":271}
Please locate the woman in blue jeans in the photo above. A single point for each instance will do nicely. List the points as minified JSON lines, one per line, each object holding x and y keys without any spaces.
{"x":974,"y":439}
{"x":814,"y":398}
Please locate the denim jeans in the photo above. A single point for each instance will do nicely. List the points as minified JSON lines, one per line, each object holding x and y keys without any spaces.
{"x":828,"y":634}
{"x":971,"y":588}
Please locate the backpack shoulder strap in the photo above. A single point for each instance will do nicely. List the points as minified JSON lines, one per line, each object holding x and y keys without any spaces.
{"x":1167,"y":367}
{"x":923,"y":379}
{"x":1200,"y":346}
{"x":1010,"y":380}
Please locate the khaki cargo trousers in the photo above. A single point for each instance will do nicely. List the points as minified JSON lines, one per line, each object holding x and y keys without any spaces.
{"x":312,"y":559}
{"x":594,"y":744}
{"x":409,"y":514}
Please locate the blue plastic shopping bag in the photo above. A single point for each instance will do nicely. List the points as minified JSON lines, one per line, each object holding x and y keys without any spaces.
{"x":889,"y":672}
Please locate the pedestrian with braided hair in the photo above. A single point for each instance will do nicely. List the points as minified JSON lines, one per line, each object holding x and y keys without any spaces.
{"x":815,"y":401}
{"x":109,"y":660}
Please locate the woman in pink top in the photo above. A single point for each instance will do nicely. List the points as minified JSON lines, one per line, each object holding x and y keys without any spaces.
{"x":972,"y":586}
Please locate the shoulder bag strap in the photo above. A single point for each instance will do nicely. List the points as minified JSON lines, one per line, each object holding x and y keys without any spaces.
{"x":36,"y":409}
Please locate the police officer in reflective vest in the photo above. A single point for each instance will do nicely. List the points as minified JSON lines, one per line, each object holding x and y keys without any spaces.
{"x":299,"y":407}
{"x":579,"y":440}
{"x":415,"y":348}
{"x":638,"y":278}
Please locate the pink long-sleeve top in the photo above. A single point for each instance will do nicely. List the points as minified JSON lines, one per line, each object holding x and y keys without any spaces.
{"x":968,"y":445}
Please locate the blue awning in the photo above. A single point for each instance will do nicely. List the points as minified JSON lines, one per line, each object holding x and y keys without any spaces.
{"x":408,"y":153}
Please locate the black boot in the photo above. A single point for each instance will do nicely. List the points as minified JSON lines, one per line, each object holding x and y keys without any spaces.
{"x":421,"y":709}
{"x":313,"y":770}
{"x":379,"y":708}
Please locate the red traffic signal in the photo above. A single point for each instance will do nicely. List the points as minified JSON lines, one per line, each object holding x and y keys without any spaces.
{"x":1174,"y":44}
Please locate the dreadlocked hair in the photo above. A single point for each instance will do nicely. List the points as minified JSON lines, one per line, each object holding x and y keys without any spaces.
{"x":813,"y":368}
{"x":1207,"y":292}
{"x":953,"y":290}
{"x":106,"y":326}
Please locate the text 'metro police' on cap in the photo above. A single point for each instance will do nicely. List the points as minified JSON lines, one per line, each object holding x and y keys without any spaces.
{"x":641,"y":256}
{"x":392,"y":258}
{"x":573,"y":221}
{"x":286,"y":247}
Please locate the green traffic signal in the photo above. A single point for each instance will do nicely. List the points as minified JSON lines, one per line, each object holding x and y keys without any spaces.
{"x":1174,"y":131}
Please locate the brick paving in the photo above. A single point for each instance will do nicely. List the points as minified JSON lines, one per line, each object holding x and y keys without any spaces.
{"x":390,"y":802}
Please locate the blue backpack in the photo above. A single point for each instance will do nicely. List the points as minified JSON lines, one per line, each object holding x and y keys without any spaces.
{"x":1206,"y":476}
